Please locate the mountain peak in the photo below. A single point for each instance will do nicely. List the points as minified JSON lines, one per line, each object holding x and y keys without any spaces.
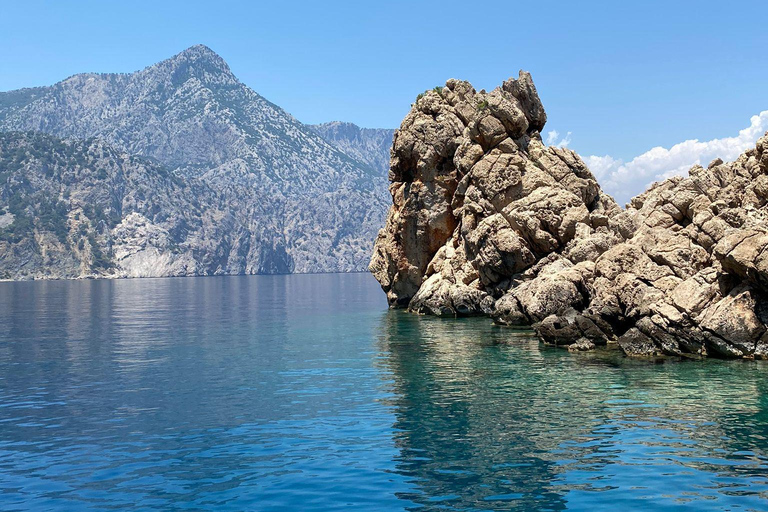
{"x":199,"y":51}
{"x":197,"y":60}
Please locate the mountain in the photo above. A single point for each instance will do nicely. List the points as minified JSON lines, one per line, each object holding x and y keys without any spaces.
{"x":270,"y":194}
{"x":367,"y":145}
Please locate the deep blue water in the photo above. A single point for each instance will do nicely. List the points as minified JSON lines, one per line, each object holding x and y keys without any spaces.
{"x":305,"y":393}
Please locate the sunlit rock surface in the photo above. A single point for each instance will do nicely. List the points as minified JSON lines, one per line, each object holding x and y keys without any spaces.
{"x":486,"y":220}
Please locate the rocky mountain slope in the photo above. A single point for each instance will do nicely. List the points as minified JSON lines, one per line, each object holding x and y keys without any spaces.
{"x":487,"y":220}
{"x":367,"y":145}
{"x":80,"y":208}
{"x":272,"y":194}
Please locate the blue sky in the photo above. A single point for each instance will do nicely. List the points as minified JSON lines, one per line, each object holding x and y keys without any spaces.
{"x":622,"y":77}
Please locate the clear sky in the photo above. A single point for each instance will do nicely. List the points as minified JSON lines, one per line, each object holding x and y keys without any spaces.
{"x":623,"y":77}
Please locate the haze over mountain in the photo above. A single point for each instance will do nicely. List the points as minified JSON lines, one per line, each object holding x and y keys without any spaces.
{"x":367,"y":145}
{"x":191,"y":173}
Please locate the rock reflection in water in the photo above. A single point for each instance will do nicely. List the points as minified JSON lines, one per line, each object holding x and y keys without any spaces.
{"x":276,"y":393}
{"x":488,"y":419}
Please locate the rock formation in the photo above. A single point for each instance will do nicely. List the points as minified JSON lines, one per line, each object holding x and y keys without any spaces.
{"x":486,"y":220}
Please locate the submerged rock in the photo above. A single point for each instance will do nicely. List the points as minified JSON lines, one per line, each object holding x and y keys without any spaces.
{"x":487,"y":220}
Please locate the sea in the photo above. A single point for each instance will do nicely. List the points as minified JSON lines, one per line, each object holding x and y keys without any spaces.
{"x":305,"y":393}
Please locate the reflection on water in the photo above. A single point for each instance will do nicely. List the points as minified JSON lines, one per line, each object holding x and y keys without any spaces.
{"x":304,"y":393}
{"x":490,"y":420}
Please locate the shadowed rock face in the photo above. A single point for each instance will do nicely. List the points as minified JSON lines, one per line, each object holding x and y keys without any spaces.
{"x":487,"y":220}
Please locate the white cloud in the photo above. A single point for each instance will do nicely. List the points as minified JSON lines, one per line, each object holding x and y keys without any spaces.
{"x":553,"y":139}
{"x":625,"y":180}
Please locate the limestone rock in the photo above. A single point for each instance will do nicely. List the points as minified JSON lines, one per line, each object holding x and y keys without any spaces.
{"x":487,"y":220}
{"x":145,"y":249}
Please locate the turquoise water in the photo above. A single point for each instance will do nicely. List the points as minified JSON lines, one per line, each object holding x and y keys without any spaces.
{"x":305,"y":393}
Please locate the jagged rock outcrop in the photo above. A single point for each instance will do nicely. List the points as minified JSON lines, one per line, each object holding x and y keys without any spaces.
{"x":687,"y":279}
{"x":270,"y":194}
{"x":486,"y":220}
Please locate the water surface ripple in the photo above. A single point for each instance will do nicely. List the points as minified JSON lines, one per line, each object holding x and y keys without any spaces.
{"x":304,"y":393}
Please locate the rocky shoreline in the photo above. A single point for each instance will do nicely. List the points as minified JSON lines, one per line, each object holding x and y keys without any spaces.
{"x":487,"y":220}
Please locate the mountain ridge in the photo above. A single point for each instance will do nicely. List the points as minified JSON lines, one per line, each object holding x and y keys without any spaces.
{"x":295,"y":202}
{"x":368,"y":145}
